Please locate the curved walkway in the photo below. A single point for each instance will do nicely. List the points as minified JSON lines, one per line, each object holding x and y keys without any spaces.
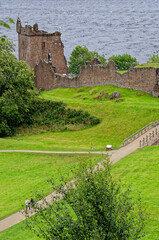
{"x":115,"y":156}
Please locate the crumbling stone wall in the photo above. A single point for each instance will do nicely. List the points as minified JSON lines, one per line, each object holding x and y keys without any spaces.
{"x":143,"y":79}
{"x":46,"y":78}
{"x":92,"y":74}
{"x":35,"y":44}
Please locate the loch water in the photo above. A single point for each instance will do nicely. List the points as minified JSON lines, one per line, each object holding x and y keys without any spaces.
{"x":109,"y":27}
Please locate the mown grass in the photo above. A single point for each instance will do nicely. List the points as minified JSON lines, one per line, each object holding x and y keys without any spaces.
{"x":146,"y":65}
{"x":140,"y":170}
{"x":18,"y":232}
{"x":22,"y":174}
{"x":118,"y":119}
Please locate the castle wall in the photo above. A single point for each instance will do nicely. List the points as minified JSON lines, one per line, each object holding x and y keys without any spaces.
{"x":144,"y":79}
{"x":97,"y":75}
{"x":24,"y":48}
{"x":46,"y":78}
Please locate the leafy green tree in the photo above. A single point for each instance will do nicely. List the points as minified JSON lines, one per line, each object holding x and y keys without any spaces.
{"x":123,"y":62}
{"x":93,"y":207}
{"x":7,"y":45}
{"x":154,"y":59}
{"x":79,"y":57}
{"x":16,"y":91}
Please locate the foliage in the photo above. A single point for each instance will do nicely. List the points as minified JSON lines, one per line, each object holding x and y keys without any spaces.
{"x":154,"y":59}
{"x":93,"y":206}
{"x":6,"y":45}
{"x":123,"y":62}
{"x":79,"y":57}
{"x":16,"y":92}
{"x":5,"y":24}
{"x":46,"y":112}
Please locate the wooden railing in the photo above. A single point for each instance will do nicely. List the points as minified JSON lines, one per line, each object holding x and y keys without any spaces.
{"x":139,"y":132}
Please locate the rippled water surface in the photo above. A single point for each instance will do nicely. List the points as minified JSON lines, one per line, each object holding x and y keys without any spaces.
{"x":107,"y":26}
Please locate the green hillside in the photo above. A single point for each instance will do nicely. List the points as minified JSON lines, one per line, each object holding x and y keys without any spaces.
{"x":119,"y":118}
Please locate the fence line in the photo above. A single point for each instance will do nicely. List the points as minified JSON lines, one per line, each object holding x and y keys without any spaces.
{"x":150,"y":138}
{"x":140,"y":132}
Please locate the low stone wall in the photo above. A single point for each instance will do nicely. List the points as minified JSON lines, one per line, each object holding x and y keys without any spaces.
{"x":92,"y":74}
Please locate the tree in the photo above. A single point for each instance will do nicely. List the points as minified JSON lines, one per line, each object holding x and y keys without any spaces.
{"x":93,"y":207}
{"x":79,"y":57}
{"x":154,"y":59}
{"x":16,"y":90}
{"x":6,"y":45}
{"x":123,"y":62}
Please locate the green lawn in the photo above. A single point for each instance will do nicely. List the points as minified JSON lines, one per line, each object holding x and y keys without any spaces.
{"x":24,"y":173}
{"x":140,"y":170}
{"x":118,"y":119}
{"x":18,"y":232}
{"x":146,"y":65}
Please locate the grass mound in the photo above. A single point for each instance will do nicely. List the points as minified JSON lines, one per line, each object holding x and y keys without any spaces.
{"x":119,"y":119}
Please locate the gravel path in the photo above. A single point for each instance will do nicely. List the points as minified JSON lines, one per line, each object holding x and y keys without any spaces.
{"x":115,"y":156}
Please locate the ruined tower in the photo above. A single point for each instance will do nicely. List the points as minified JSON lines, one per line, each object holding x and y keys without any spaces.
{"x":35,"y":44}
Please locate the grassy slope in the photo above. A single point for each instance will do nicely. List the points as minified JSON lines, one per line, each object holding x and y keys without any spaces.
{"x":118,"y":120}
{"x":140,"y":170}
{"x":24,"y":173}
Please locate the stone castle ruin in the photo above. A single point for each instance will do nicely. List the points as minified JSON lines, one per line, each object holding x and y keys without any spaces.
{"x":45,"y":53}
{"x":35,"y":44}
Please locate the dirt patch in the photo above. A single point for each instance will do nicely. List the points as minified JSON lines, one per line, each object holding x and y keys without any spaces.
{"x":101,"y":96}
{"x":119,"y":100}
{"x":80,"y":90}
{"x":91,"y":92}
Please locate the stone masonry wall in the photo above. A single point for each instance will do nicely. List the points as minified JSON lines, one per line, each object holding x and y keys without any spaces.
{"x":144,"y":79}
{"x":35,"y":44}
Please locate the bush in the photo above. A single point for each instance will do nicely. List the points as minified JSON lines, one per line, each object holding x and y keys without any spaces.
{"x":123,"y":62}
{"x":46,"y":112}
